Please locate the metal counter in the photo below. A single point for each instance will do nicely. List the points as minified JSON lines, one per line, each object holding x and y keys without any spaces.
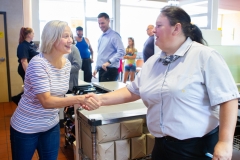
{"x":106,"y":115}
{"x":109,"y":86}
{"x":89,"y":120}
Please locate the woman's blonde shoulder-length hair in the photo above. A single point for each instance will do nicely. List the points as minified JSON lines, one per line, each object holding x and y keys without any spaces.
{"x":52,"y":33}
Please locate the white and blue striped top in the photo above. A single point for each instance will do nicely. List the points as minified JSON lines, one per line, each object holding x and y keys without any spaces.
{"x":41,"y":76}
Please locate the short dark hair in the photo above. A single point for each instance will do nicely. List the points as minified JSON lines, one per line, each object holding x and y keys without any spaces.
{"x":79,"y":28}
{"x":105,"y":15}
{"x":178,"y":15}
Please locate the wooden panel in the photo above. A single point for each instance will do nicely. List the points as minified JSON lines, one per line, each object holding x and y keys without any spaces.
{"x":3,"y":65}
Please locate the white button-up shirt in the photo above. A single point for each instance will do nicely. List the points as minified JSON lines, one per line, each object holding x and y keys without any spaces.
{"x":183,"y":97}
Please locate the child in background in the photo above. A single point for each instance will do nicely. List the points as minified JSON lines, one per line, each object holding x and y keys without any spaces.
{"x":130,"y":65}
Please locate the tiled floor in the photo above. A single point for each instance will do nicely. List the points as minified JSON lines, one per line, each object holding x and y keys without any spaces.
{"x":6,"y":111}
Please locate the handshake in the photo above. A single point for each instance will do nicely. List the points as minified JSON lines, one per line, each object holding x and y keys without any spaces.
{"x":91,"y":101}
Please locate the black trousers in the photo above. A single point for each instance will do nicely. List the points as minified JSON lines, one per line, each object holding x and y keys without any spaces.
{"x":21,"y":72}
{"x":87,"y":69}
{"x":168,"y":148}
{"x":110,"y":75}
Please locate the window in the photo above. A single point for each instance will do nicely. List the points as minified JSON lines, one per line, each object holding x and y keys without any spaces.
{"x":70,"y":11}
{"x":135,"y":16}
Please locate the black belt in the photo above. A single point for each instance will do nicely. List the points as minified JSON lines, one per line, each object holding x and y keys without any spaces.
{"x":169,"y":138}
{"x":107,"y":68}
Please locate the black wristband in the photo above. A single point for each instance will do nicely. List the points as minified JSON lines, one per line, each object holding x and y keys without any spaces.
{"x":109,"y":62}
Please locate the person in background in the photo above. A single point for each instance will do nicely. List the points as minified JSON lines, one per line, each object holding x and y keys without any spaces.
{"x":120,"y":70}
{"x":110,"y":51}
{"x":25,"y":52}
{"x":35,"y":122}
{"x":84,"y":46}
{"x":129,"y":64}
{"x":148,"y":48}
{"x":76,"y":64}
{"x":189,"y":91}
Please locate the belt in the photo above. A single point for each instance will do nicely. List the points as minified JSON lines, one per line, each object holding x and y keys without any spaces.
{"x":100,"y":68}
{"x":169,"y":138}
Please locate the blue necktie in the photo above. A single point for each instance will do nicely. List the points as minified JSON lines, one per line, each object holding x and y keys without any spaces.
{"x":169,"y":59}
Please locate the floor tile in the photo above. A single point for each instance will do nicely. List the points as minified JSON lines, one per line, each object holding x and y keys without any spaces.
{"x":7,"y":110}
{"x":3,"y":140}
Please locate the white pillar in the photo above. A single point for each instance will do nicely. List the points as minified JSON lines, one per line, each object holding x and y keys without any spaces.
{"x":35,"y":20}
{"x":116,"y":14}
{"x":27,"y":16}
{"x":214,"y":21}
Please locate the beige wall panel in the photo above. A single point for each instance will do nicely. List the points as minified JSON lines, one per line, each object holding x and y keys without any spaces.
{"x":14,"y":11}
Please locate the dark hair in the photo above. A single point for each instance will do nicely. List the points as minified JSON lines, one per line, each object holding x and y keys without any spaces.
{"x":105,"y":15}
{"x":132,"y":41}
{"x":178,"y":15}
{"x":23,"y":33}
{"x":79,"y":28}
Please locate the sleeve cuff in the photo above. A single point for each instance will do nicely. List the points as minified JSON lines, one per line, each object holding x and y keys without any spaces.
{"x":224,"y":98}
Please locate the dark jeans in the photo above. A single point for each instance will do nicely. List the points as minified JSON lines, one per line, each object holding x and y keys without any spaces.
{"x":190,"y":149}
{"x":110,"y":75}
{"x":47,"y":144}
{"x":87,"y":69}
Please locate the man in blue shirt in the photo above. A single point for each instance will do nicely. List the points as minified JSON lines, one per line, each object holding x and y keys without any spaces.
{"x":148,"y":49}
{"x":86,"y":52}
{"x":110,"y":51}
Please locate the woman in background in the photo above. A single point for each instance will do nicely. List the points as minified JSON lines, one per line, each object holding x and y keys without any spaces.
{"x":130,"y":65}
{"x":25,"y":52}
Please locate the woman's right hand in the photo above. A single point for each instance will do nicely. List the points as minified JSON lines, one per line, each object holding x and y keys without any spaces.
{"x":91,"y":101}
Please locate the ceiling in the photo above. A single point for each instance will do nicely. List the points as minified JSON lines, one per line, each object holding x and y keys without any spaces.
{"x":227,"y":4}
{"x":223,"y":4}
{"x":230,"y":4}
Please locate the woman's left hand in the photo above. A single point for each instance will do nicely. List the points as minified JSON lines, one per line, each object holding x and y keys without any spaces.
{"x":223,"y":151}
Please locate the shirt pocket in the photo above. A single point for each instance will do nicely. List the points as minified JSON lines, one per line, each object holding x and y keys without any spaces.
{"x":179,"y":85}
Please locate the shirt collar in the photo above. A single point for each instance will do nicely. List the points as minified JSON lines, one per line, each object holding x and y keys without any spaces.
{"x":181,"y":50}
{"x":108,"y":31}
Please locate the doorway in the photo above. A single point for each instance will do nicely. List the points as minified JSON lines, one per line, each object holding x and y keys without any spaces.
{"x":5,"y":91}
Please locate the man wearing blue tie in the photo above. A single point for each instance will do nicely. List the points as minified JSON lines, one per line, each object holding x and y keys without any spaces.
{"x":110,"y":51}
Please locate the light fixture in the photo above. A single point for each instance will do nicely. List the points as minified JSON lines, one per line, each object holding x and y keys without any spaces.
{"x":173,"y":2}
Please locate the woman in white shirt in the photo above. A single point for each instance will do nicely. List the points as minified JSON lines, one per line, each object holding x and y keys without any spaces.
{"x":183,"y":88}
{"x":35,"y":122}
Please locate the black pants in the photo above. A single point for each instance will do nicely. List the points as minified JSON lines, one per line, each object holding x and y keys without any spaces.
{"x":110,"y":75}
{"x":87,"y":69}
{"x":21,"y":72}
{"x":191,"y":149}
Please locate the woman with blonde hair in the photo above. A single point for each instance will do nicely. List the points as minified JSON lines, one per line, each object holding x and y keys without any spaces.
{"x":129,"y":64}
{"x":35,"y":122}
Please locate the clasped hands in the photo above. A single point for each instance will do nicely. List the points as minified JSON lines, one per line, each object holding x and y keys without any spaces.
{"x":91,"y":102}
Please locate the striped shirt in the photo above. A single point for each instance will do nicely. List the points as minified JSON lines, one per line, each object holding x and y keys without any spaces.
{"x":41,"y":76}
